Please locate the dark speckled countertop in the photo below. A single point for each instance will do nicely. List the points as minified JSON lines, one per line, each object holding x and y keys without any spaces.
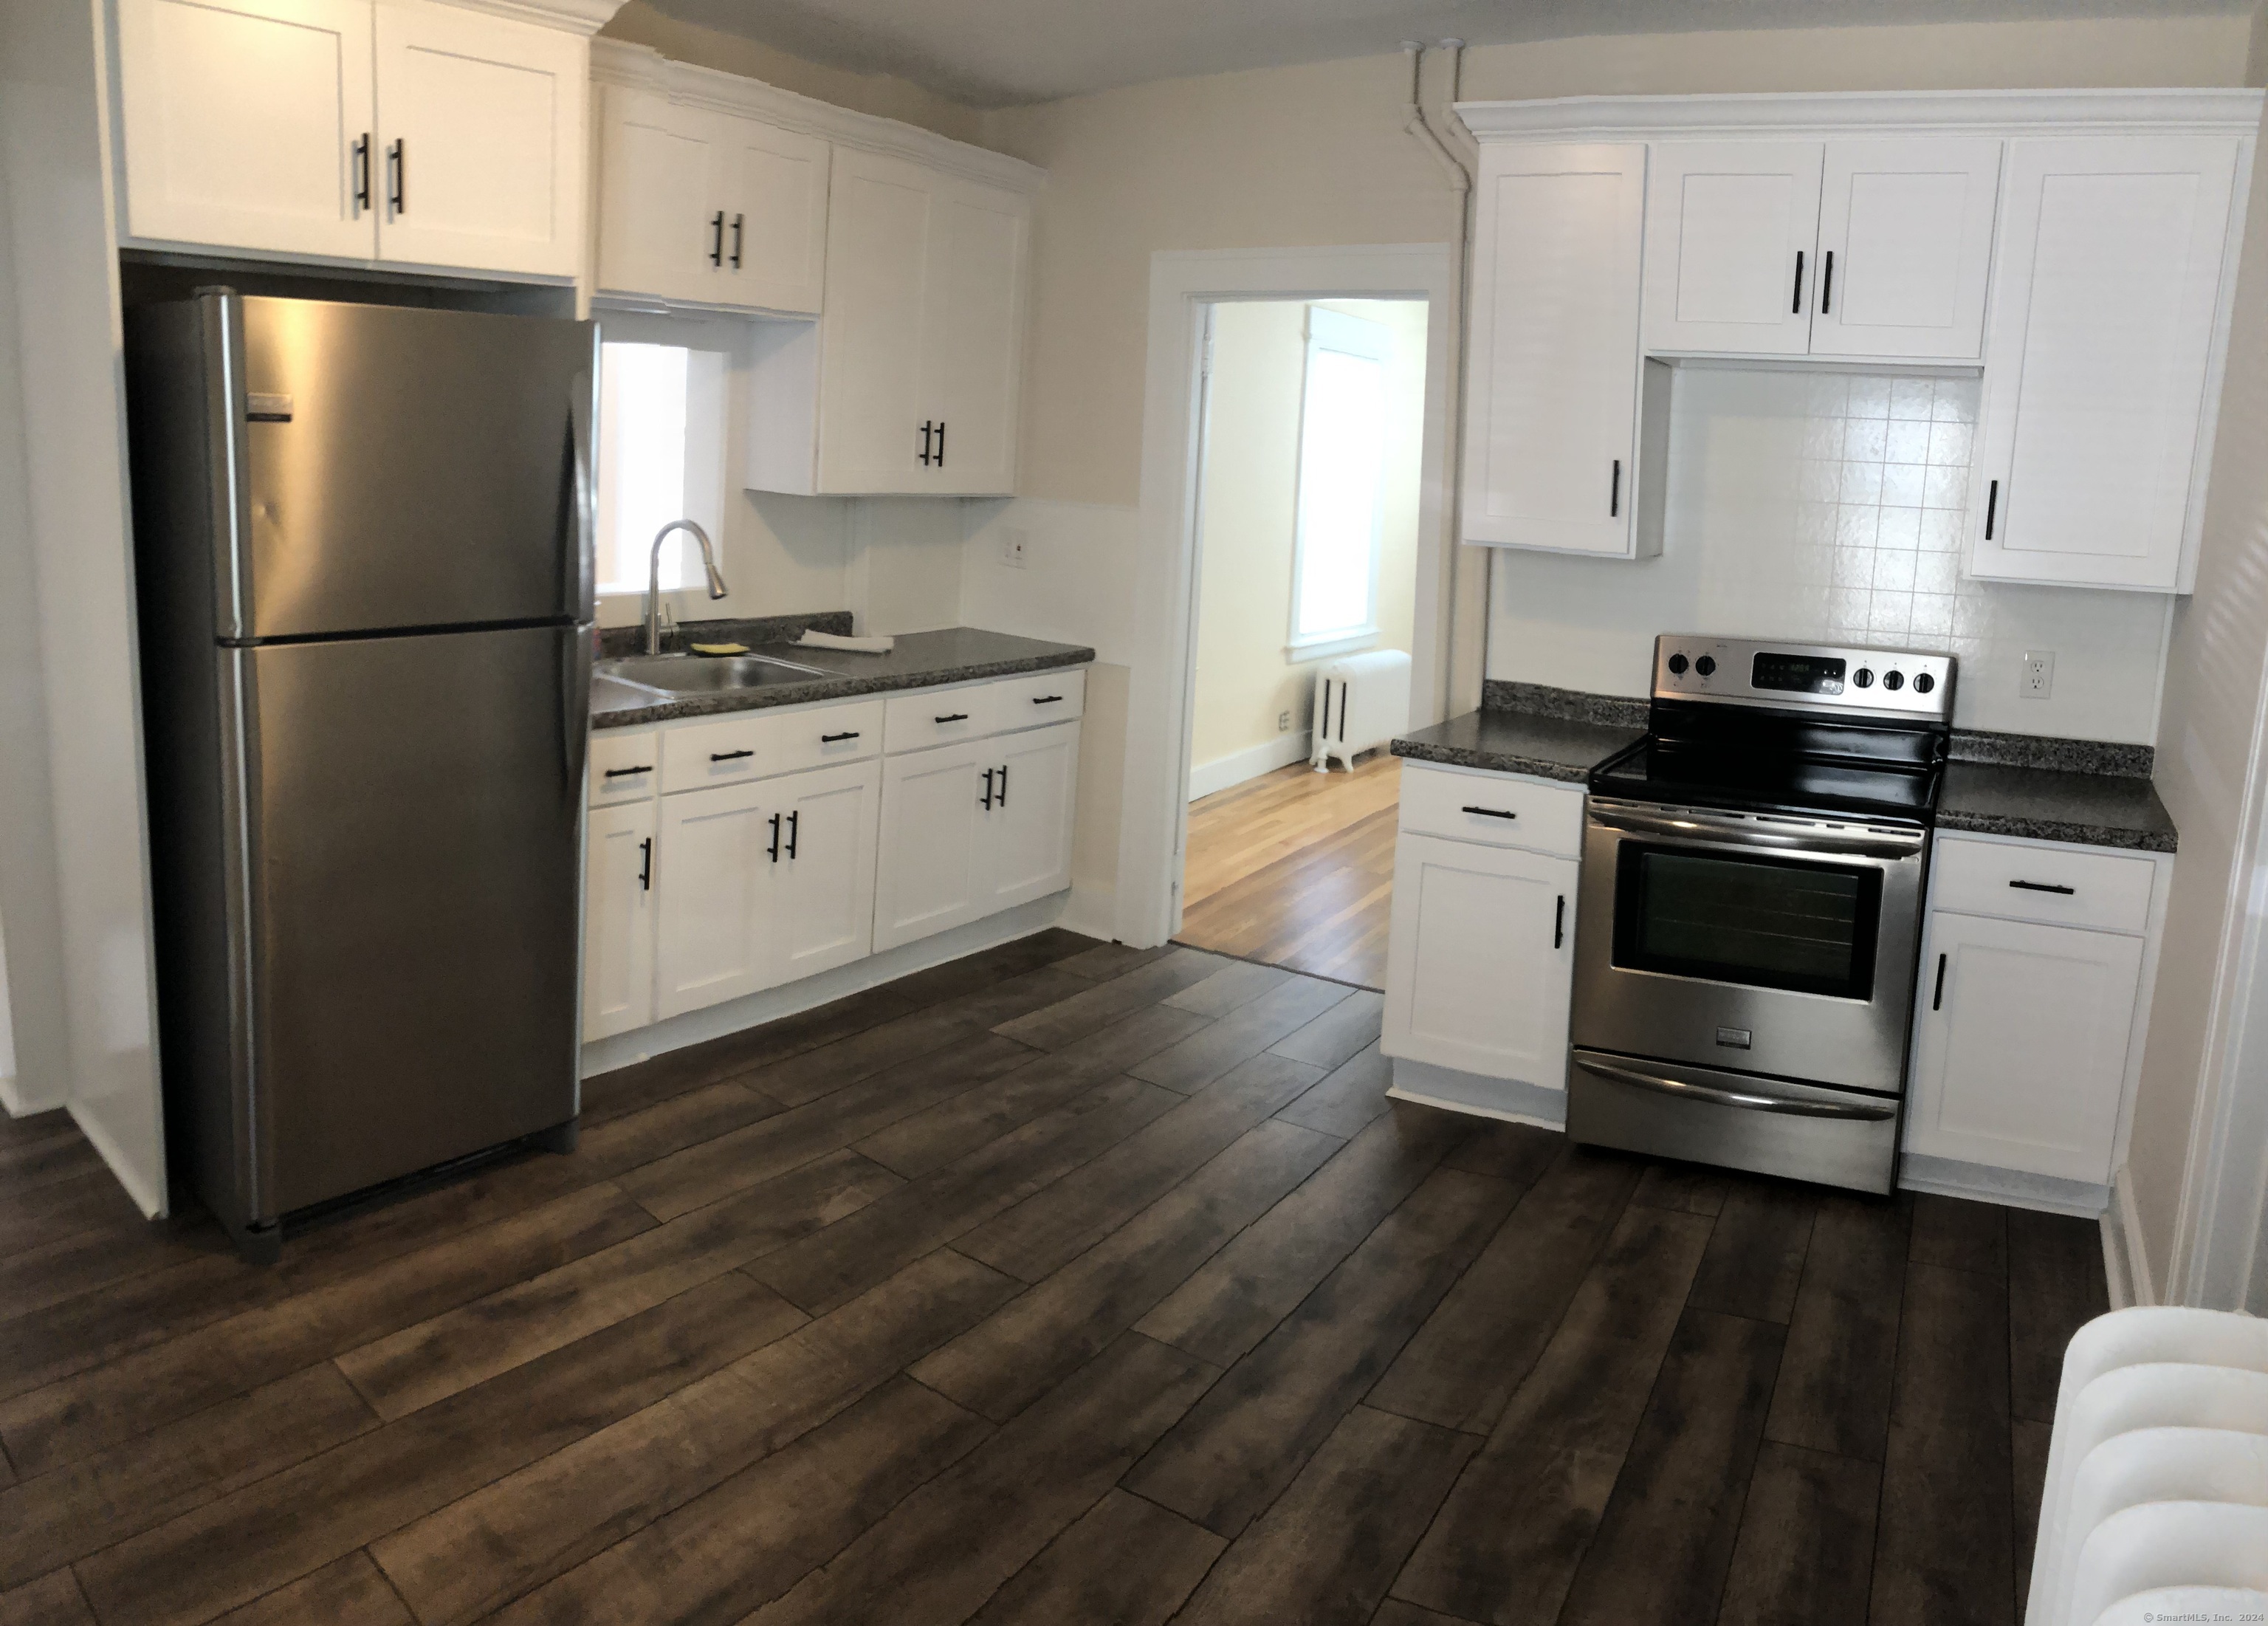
{"x":1508,"y":742}
{"x":920,"y":660}
{"x":2048,"y":804}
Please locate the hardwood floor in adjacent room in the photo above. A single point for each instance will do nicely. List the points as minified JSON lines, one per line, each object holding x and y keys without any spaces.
{"x":1296,"y":869}
{"x":1062,"y":1284}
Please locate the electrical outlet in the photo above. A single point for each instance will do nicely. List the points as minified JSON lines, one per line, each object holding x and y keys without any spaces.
{"x":1283,"y":722}
{"x":2038,"y":680}
{"x":1015,"y":547}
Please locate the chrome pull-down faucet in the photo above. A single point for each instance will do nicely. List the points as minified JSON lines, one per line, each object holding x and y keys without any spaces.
{"x":653,"y":578}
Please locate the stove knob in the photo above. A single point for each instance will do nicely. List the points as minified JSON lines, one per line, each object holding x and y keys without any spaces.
{"x":1894,"y":680}
{"x":1677,"y":666}
{"x":1923,"y":682}
{"x":1864,"y":678}
{"x":1705,"y":665}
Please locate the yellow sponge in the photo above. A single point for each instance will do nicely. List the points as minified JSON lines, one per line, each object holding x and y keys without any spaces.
{"x":718,"y":649}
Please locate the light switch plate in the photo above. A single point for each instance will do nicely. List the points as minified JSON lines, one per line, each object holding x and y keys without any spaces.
{"x":1015,"y":547}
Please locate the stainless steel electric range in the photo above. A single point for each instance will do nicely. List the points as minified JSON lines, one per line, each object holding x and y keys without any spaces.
{"x":1751,"y":909}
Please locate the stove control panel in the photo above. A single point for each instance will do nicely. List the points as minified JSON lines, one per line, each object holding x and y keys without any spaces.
{"x":1915,"y":684}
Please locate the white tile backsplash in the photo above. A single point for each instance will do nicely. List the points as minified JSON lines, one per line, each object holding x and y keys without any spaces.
{"x":1828,"y":508}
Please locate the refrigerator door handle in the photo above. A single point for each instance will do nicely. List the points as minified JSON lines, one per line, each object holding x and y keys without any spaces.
{"x":584,"y":561}
{"x":226,"y":404}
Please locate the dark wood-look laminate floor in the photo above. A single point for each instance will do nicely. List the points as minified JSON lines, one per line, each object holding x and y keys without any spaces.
{"x":1064,"y":1284}
{"x":1296,"y":869}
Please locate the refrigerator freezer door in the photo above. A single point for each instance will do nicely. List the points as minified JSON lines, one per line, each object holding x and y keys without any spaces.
{"x":410,"y":468}
{"x":414,"y":845}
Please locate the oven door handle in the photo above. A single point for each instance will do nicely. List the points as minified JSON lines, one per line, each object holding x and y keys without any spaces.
{"x":1709,"y":834}
{"x":1735,"y":1097}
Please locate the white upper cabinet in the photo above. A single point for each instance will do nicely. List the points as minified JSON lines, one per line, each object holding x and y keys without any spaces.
{"x":1905,"y":247}
{"x":698,"y":206}
{"x":1730,"y":235}
{"x":2101,"y":359}
{"x":246,"y":124}
{"x":480,"y":132}
{"x":400,"y":132}
{"x":972,"y":333}
{"x":1551,"y":430}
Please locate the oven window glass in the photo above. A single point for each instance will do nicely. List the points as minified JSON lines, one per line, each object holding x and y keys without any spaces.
{"x":1767,"y":922}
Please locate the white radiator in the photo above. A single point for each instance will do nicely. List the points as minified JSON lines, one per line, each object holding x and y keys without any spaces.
{"x":1360,"y":701}
{"x":2156,"y":1500}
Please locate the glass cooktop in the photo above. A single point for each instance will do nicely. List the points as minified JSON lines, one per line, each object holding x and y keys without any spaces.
{"x":1711,"y":776}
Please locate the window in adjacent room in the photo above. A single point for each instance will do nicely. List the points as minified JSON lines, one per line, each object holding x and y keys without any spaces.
{"x":661,"y":457}
{"x":1342,"y":468}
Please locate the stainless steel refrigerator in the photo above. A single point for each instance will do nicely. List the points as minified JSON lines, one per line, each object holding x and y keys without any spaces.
{"x":363,"y":553}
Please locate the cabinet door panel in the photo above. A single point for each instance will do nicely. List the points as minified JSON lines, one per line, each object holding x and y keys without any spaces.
{"x":479,"y":123}
{"x":654,"y":163}
{"x":2019,"y":1058}
{"x":1906,"y":244}
{"x":715,"y":877}
{"x":240,"y":120}
{"x":618,"y":920}
{"x":932,"y":871}
{"x":2096,"y":359}
{"x":1028,"y":831}
{"x":773,"y":192}
{"x":1730,"y":230}
{"x":971,"y":327}
{"x":1550,"y":444}
{"x":1480,"y":959}
{"x":870,"y":355}
{"x":823,"y":906}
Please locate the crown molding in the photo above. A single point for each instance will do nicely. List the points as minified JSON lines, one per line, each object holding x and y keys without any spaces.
{"x":2059,"y":111}
{"x":642,"y":67}
{"x":583,"y":17}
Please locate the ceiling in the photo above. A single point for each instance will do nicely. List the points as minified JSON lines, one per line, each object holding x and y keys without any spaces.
{"x":993,"y":53}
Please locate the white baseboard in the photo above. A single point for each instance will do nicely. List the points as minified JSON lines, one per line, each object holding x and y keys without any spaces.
{"x":2125,"y":1261}
{"x":695,"y":1027}
{"x":1249,"y":764}
{"x":1092,"y":910}
{"x":17,"y":1103}
{"x":1948,"y":1177}
{"x":1445,"y":1087}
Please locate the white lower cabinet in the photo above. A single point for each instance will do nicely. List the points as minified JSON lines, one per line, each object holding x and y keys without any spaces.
{"x":618,"y":920}
{"x":1028,"y":828}
{"x":1480,"y":963}
{"x":823,"y":897}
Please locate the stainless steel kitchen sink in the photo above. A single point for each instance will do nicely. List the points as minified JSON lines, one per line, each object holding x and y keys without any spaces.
{"x":702,"y":675}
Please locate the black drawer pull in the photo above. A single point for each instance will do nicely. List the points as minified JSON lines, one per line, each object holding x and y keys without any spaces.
{"x":955,"y":717}
{"x":1490,"y":812}
{"x":1046,"y":699}
{"x":1004,"y":785}
{"x":987,"y":803}
{"x":1559,"y":923}
{"x":2044,"y":886}
{"x":829,"y":739}
{"x":1826,"y":285}
{"x":729,"y":756}
{"x":774,"y":852}
{"x":1615,"y":493}
{"x":1937,"y":999}
{"x":1992,"y":508}
{"x":793,"y":819}
{"x":616,"y":773}
{"x":1796,"y":308}
{"x":717,"y":242}
{"x":645,"y":865}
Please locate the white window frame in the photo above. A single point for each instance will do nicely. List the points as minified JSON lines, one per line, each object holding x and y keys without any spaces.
{"x":707,"y":372}
{"x":1370,"y":341}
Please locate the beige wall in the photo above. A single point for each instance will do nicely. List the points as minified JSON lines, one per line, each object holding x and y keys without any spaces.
{"x":1296,"y":157}
{"x":1251,"y":475}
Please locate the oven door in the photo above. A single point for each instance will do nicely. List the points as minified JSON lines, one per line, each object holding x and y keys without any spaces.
{"x":1757,"y":944}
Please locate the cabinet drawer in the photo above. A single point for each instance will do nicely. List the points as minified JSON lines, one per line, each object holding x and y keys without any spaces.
{"x":723,"y":752}
{"x":1042,"y":698}
{"x":825,"y":735}
{"x":1495,"y":809}
{"x":624,"y":765}
{"x":938,"y":716}
{"x":2060,"y":885}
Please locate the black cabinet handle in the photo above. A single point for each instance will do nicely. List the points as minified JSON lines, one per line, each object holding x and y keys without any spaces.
{"x":1559,"y":922}
{"x":987,"y":802}
{"x":1827,"y":283}
{"x":829,"y":739}
{"x":793,"y":819}
{"x":940,"y":443}
{"x":1797,"y":308}
{"x":928,"y":429}
{"x":397,"y":177}
{"x":1991,"y":503}
{"x":775,"y":847}
{"x":1615,"y":492}
{"x":2044,"y":886}
{"x":737,"y":219}
{"x":361,"y":150}
{"x":955,"y":717}
{"x":1937,"y":999}
{"x":645,"y":865}
{"x":1489,"y":812}
{"x":1046,"y":699}
{"x":616,"y":773}
{"x":717,"y":239}
{"x":729,"y":756}
{"x":1004,"y":785}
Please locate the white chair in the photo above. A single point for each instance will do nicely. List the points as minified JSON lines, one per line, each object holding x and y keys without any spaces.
{"x":2162,"y":1545}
